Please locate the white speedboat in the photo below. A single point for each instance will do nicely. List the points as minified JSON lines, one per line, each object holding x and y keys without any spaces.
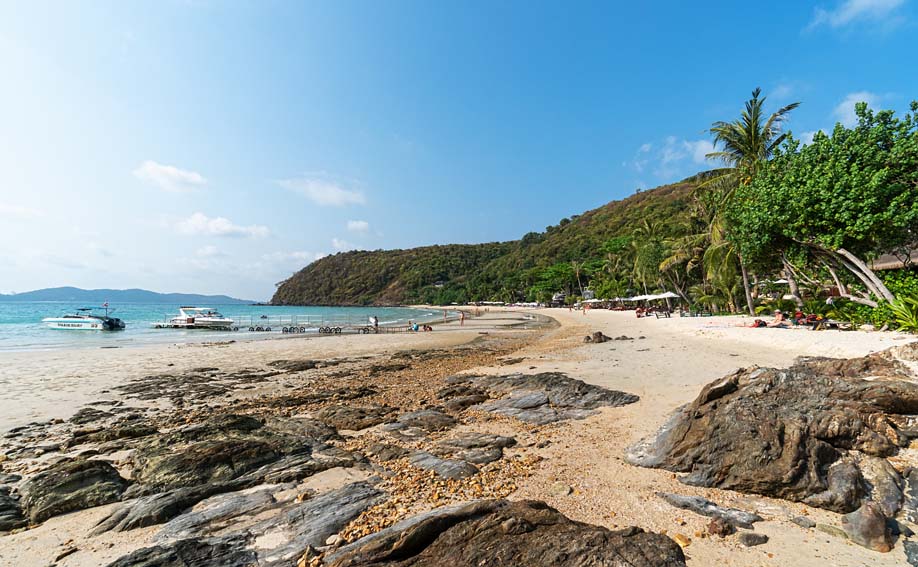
{"x":197,"y":318}
{"x":85,"y":320}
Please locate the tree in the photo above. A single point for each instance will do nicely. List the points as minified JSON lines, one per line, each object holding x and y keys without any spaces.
{"x":746,"y":146}
{"x":840,"y":200}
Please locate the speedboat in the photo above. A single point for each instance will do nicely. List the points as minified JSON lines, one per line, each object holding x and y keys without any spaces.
{"x":85,"y":320}
{"x":197,"y":318}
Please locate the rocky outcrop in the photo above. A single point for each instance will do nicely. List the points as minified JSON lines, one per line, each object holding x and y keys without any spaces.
{"x":353,"y":418}
{"x":207,"y":552}
{"x":543,"y":398}
{"x":225,"y":448}
{"x":71,"y":485}
{"x":501,"y":533}
{"x":473,"y":447}
{"x":818,"y":432}
{"x":10,"y":511}
{"x":447,"y":468}
{"x":734,"y":517}
{"x":427,"y":419}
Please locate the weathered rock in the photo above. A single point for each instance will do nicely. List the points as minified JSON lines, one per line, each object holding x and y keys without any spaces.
{"x":213,"y":513}
{"x":353,"y":418}
{"x":885,"y":484}
{"x":112,"y":434}
{"x":794,"y":433}
{"x":154,"y":509}
{"x":750,"y":539}
{"x":427,"y":419}
{"x":294,"y":365}
{"x":311,"y":523}
{"x":70,"y":485}
{"x":462,"y":402}
{"x":209,"y":552}
{"x":544,"y":398}
{"x":720,"y":527}
{"x":911,"y":552}
{"x":475,"y":448}
{"x":703,"y":506}
{"x":559,"y":490}
{"x":224,"y":448}
{"x":500,"y":533}
{"x":10,"y":511}
{"x":88,"y":415}
{"x":447,"y":468}
{"x":910,"y":496}
{"x":866,"y":526}
{"x":385,"y":452}
{"x":804,"y":522}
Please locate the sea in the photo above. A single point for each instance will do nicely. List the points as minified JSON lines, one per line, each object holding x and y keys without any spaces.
{"x":21,"y":326}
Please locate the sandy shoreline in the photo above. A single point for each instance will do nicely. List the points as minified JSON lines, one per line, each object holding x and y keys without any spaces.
{"x":666,"y":368}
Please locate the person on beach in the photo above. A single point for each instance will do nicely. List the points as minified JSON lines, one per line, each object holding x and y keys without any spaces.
{"x":461,"y":318}
{"x":375,"y":321}
{"x":780,"y":319}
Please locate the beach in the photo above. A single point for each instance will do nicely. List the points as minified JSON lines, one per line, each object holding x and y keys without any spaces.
{"x":576,"y":465}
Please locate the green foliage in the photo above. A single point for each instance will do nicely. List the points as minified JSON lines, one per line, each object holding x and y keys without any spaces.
{"x":905,"y":311}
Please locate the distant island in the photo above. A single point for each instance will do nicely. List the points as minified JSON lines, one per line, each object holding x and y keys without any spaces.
{"x":98,"y":296}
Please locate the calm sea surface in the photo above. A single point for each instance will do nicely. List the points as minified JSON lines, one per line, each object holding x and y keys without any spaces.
{"x":21,"y":327}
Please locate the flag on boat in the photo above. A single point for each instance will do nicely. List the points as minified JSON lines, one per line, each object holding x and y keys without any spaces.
{"x":105,"y":304}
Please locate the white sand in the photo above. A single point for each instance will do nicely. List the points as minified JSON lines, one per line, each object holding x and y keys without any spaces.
{"x":666,"y":369}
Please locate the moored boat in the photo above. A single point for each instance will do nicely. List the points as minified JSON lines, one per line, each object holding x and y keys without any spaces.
{"x":197,"y":318}
{"x":85,"y":320}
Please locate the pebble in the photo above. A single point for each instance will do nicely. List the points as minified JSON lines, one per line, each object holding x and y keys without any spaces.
{"x":750,"y":539}
{"x":682,"y":540}
{"x":804,"y":522}
{"x":560,"y":489}
{"x":832,"y":531}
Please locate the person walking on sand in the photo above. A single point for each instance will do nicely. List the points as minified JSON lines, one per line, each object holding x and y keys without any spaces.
{"x":461,"y":318}
{"x":375,"y":320}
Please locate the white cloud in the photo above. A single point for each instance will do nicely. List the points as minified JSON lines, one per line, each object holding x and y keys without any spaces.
{"x":323,"y":192}
{"x":358,"y":225}
{"x":168,"y":177}
{"x":850,"y":11}
{"x":201,"y":224}
{"x":782,"y":90}
{"x":296,"y":257}
{"x":673,"y":157}
{"x":844,"y":112}
{"x":209,"y":251}
{"x":645,"y":148}
{"x":8,"y":210}
{"x":699,"y":149}
{"x":339,"y":244}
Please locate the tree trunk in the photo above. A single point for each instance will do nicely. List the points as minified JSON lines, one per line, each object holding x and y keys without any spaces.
{"x":882,"y":291}
{"x":746,"y":287}
{"x":791,"y":281}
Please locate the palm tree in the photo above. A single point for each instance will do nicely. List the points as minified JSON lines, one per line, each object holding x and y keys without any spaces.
{"x":746,"y":144}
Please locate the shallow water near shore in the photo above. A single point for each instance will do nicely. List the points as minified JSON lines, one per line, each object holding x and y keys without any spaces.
{"x":21,"y":327}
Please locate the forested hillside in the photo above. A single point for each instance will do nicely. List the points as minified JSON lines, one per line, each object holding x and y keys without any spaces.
{"x":530,"y":268}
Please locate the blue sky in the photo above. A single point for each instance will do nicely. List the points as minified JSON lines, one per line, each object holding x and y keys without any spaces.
{"x":216,"y":147}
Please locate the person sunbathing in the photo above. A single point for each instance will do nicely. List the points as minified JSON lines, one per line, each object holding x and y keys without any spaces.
{"x":780,"y":319}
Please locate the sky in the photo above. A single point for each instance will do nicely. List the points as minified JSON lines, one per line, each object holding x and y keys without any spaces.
{"x":217,"y":147}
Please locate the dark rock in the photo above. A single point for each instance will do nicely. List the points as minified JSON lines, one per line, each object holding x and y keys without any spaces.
{"x":386,"y":452}
{"x":153,"y":509}
{"x":720,"y":527}
{"x":215,"y":512}
{"x":462,"y":402}
{"x":885,"y":484}
{"x":224,"y":448}
{"x":8,"y":478}
{"x":866,"y":526}
{"x":447,"y":468}
{"x":293,"y":365}
{"x":112,"y":434}
{"x":751,"y":539}
{"x":353,"y":418}
{"x":501,"y":533}
{"x":427,"y":419}
{"x":545,"y":398}
{"x":10,"y":511}
{"x":310,"y":523}
{"x":911,"y":552}
{"x":88,"y":415}
{"x":796,"y":433}
{"x":209,"y":552}
{"x":804,"y":522}
{"x":71,"y":485}
{"x":703,"y":506}
{"x":475,"y":448}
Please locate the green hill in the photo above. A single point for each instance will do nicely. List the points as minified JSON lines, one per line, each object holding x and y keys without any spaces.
{"x":473,"y":272}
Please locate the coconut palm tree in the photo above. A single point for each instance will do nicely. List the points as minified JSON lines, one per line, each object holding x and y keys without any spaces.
{"x":745,"y":145}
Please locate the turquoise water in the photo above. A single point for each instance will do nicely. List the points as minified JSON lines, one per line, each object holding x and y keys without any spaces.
{"x":21,"y":327}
